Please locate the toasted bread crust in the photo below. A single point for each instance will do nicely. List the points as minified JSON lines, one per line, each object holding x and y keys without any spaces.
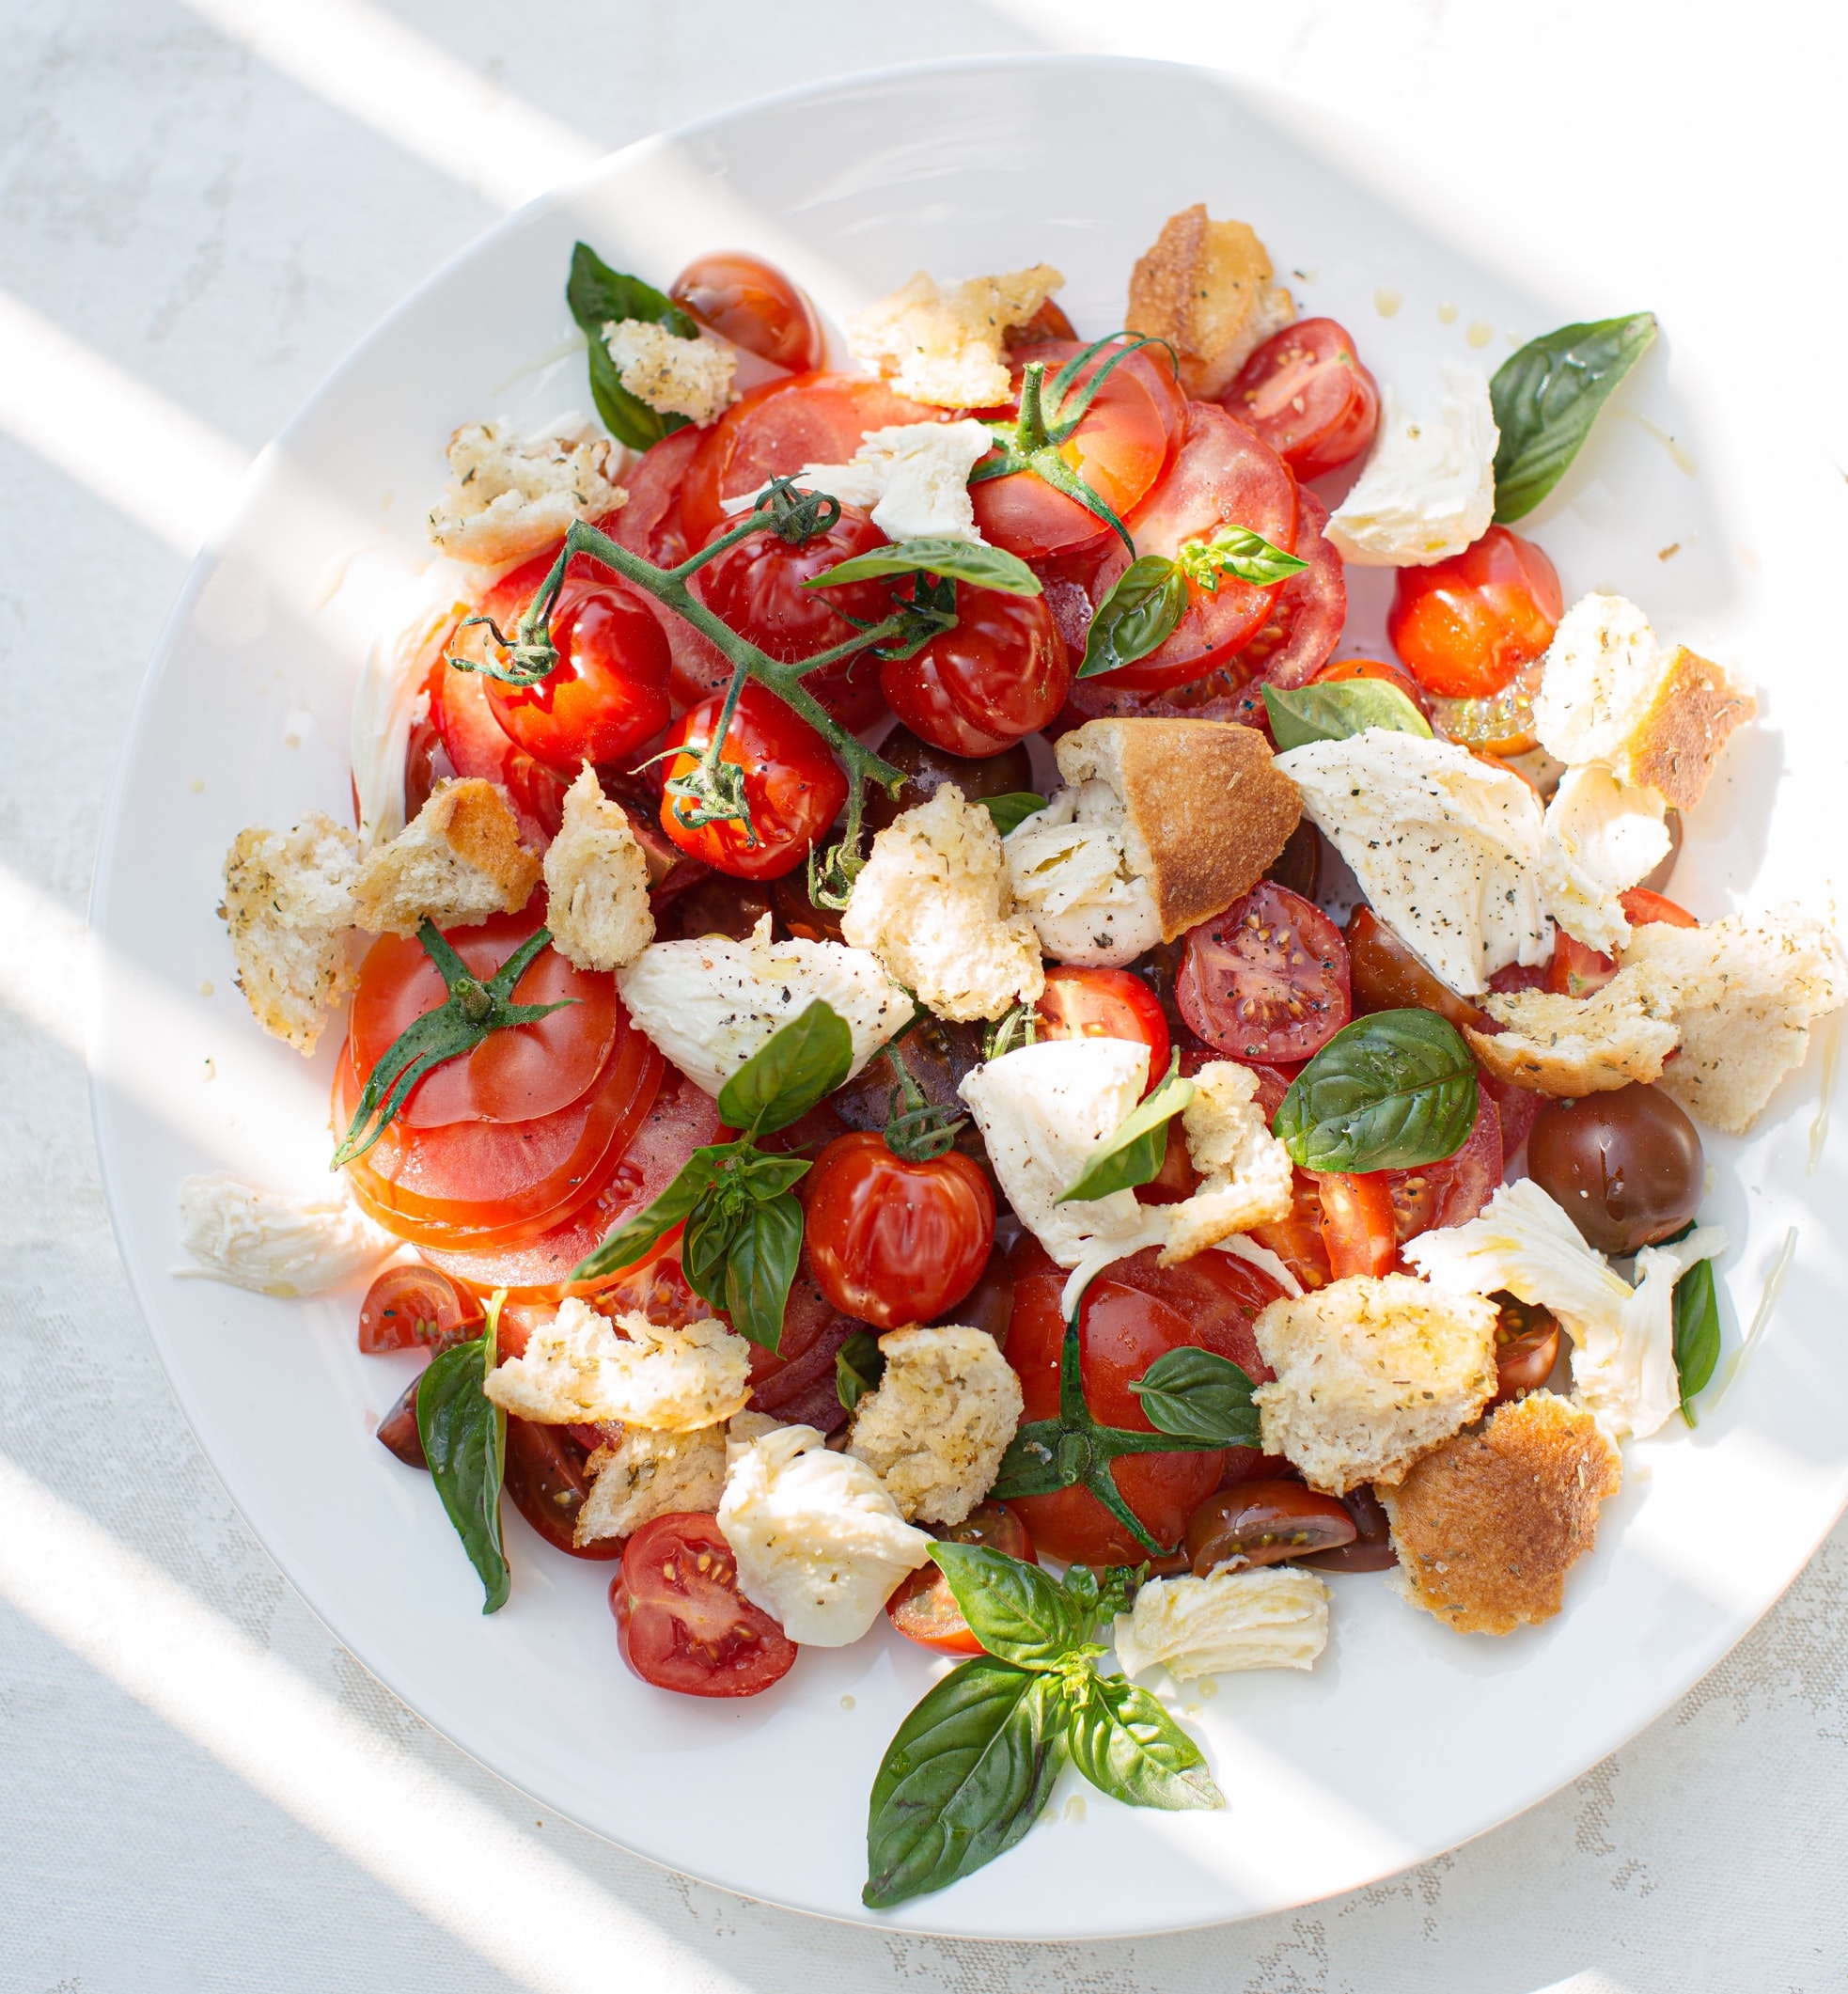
{"x":1694,"y":713}
{"x":1572,"y":1047}
{"x":459,"y":861}
{"x":1205,"y":810}
{"x":1205,"y":288}
{"x":1487,"y":1525}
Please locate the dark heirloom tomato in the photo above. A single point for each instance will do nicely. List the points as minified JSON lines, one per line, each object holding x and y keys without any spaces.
{"x":1267,"y":980}
{"x":1306,"y":393}
{"x":793,"y":787}
{"x":478,"y":744}
{"x":757,"y":587}
{"x":1133,"y":1314}
{"x":1454,"y":1191}
{"x":1357,"y":1232}
{"x":1001,"y":674}
{"x":1467,"y":625}
{"x":928,"y":767}
{"x":891,"y":1241}
{"x":1372,"y":1549}
{"x":412,"y":1306}
{"x":1626,"y":1166}
{"x":924,"y":1609}
{"x":797,"y":1385}
{"x":681,"y":1619}
{"x":546,"y":1479}
{"x":755,"y":306}
{"x":398,"y":1430}
{"x":990,"y":1304}
{"x":1526,"y":1346}
{"x":1079,"y":1003}
{"x":1264,"y":1523}
{"x":1386,"y":976}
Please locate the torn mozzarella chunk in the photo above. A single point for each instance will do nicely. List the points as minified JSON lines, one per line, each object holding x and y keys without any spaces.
{"x":273,"y":1244}
{"x":1429,"y":487}
{"x":1072,"y":876}
{"x":1602,"y":834}
{"x":1269,"y":1617}
{"x":913,"y":478}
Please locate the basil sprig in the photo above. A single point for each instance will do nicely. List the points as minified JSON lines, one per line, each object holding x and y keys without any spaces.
{"x":464,"y":1441}
{"x":599,"y":296}
{"x":1196,"y":1407}
{"x":1387,"y":1092}
{"x":972,"y":1767}
{"x":744,"y":1223}
{"x":1013,"y":811}
{"x":1149,"y":597}
{"x":1696,"y":1332}
{"x":858,"y":1366}
{"x":1546,"y":398}
{"x":972,"y":561}
{"x":1338,"y":710}
{"x":1134,"y":1154}
{"x":466,"y":1017}
{"x":1247,"y":557}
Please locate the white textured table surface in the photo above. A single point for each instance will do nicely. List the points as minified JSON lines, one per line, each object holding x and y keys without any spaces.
{"x":201,"y":207}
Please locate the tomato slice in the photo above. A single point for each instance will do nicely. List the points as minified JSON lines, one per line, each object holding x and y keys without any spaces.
{"x":1306,"y":393}
{"x":1298,"y":1238}
{"x":1079,"y":1003}
{"x":681,"y":1621}
{"x":1356,"y":1222}
{"x":1267,"y":980}
{"x":1387,"y":976}
{"x":797,"y":1383}
{"x":514,"y":1075}
{"x":412,"y":1306}
{"x":1454,"y":1191}
{"x":478,"y":744}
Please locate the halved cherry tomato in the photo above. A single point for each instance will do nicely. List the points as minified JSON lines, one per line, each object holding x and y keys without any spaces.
{"x":512,"y":1075}
{"x":1372,"y":1549}
{"x":1643,"y":909}
{"x":793,"y":787}
{"x":1267,"y":980}
{"x":1451,"y":1192}
{"x":924,"y":1609}
{"x":1264,"y":1523}
{"x":1381,"y":669}
{"x":1133,"y":1314}
{"x":1387,"y":976}
{"x":1306,"y":393}
{"x":757,"y":587}
{"x":608,"y":692}
{"x":1467,"y":625}
{"x":1356,"y":1222}
{"x":755,"y":306}
{"x":1001,"y":674}
{"x":683,"y":1622}
{"x":546,"y":1479}
{"x":413,"y":1306}
{"x":1296,"y":1238}
{"x":1079,"y":1003}
{"x":1526,"y":1346}
{"x":1501,"y":725}
{"x":478,"y":744}
{"x":776,"y":429}
{"x":397,"y":1431}
{"x":893,"y":1241}
{"x":1577,"y":970}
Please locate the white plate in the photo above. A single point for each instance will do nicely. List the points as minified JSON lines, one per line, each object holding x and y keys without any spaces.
{"x":1406,"y":1738}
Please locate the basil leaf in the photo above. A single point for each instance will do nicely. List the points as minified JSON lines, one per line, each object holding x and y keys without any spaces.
{"x":760,"y":1262}
{"x":1336,"y":711}
{"x":1081,"y":1582}
{"x":464,"y":1441}
{"x":1387,"y":1092}
{"x":1148,"y":599}
{"x":858,"y":1366}
{"x":785,"y":1077}
{"x":1013,"y":811}
{"x":1696,"y":1332}
{"x":598,"y":294}
{"x":1126,"y":1745}
{"x":1199,"y":1397}
{"x":1546,"y":398}
{"x":1121,"y":1583}
{"x":764,"y":1175}
{"x":967,"y":1775}
{"x":706,"y":1245}
{"x":962,"y":561}
{"x":1012,"y":1607}
{"x":634,"y":1236}
{"x":1235,"y":551}
{"x":1133,"y":1154}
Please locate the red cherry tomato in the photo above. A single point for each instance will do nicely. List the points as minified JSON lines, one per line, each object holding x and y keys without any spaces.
{"x":413,"y":1306}
{"x":1306,"y":393}
{"x":1133,"y":1314}
{"x":1356,"y":1222}
{"x":1118,"y":449}
{"x":1264,"y":1522}
{"x":1080,"y":1003}
{"x":683,"y":1622}
{"x":546,"y":1479}
{"x":757,"y":589}
{"x":512,"y":1075}
{"x":754,"y":305}
{"x":1298,"y":1238}
{"x":1453,"y":1191}
{"x":608,"y":692}
{"x":1267,"y":980}
{"x":776,"y":429}
{"x":924,"y":1609}
{"x":478,"y":744}
{"x":1001,"y":674}
{"x":1467,"y":625}
{"x":1381,"y":669}
{"x":891,"y":1241}
{"x":793,"y":787}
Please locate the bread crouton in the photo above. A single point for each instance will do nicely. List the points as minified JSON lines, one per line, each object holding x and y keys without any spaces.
{"x":288,"y":905}
{"x":644,"y":1474}
{"x":1246,"y":1173}
{"x":458,"y":862}
{"x":1572,"y":1047}
{"x":1488,"y":1524}
{"x":933,"y":903}
{"x":1744,"y":992}
{"x":678,"y":377}
{"x":942,"y":345}
{"x":596,"y":882}
{"x":1269,"y":1617}
{"x":509,"y":497}
{"x":1204,"y":809}
{"x":576,"y":1369}
{"x":1370,"y":1373}
{"x":1612,"y":693}
{"x":936,"y":1429}
{"x":1205,"y":288}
